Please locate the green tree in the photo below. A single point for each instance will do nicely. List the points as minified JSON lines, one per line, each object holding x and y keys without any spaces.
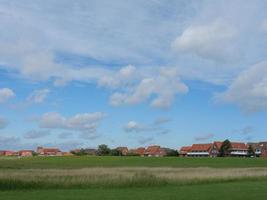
{"x":103,"y":150}
{"x":224,"y":150}
{"x":115,"y":152}
{"x":172,"y":152}
{"x":251,"y":151}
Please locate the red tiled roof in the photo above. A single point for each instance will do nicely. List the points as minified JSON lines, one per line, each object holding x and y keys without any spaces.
{"x":238,"y":145}
{"x":201,"y":147}
{"x":140,"y":151}
{"x":218,"y":144}
{"x":185,"y":149}
{"x":152,"y":150}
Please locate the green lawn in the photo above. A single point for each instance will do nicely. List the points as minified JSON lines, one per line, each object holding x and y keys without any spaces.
{"x":245,"y":190}
{"x":84,"y":162}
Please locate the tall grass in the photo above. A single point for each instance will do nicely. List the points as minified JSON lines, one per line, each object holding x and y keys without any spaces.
{"x":122,"y":177}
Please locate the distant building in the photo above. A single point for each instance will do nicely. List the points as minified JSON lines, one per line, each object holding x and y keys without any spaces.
{"x":238,"y":149}
{"x":200,"y":150}
{"x":25,"y":153}
{"x":184,"y":150}
{"x":260,"y":148}
{"x":123,"y":150}
{"x":48,"y":151}
{"x":8,"y":153}
{"x":155,"y":151}
{"x":216,"y":149}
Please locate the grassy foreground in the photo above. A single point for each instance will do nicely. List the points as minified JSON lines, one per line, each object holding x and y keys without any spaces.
{"x":108,"y":161}
{"x":244,"y":190}
{"x":125,"y":178}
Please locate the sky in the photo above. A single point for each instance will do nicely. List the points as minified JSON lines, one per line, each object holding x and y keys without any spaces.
{"x":76,"y":74}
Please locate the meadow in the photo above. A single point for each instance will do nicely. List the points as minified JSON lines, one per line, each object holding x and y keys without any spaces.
{"x":132,"y":178}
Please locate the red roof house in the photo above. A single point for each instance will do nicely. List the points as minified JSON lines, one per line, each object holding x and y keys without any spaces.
{"x":200,"y":150}
{"x":155,"y":151}
{"x":184,"y":150}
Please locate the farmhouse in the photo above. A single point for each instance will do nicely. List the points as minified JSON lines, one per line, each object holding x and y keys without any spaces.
{"x":8,"y":153}
{"x":238,"y":149}
{"x":260,"y":148}
{"x":48,"y":151}
{"x":184,"y":150}
{"x":25,"y":153}
{"x":123,"y":150}
{"x":216,"y":148}
{"x":155,"y":151}
{"x":200,"y":150}
{"x":140,"y":151}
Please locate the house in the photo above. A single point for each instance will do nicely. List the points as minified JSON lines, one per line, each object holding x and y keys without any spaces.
{"x":238,"y":149}
{"x":155,"y":151}
{"x":8,"y":153}
{"x":91,"y":152}
{"x":140,"y":151}
{"x":259,"y":148}
{"x":48,"y":151}
{"x":26,"y":153}
{"x":123,"y":150}
{"x":263,"y":146}
{"x":216,"y":148}
{"x":184,"y":150}
{"x":200,"y":150}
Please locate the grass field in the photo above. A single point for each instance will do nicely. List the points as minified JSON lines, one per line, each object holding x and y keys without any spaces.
{"x":132,"y":178}
{"x":108,"y":161}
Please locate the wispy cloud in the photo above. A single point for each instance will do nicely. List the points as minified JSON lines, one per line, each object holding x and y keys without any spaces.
{"x":6,"y":94}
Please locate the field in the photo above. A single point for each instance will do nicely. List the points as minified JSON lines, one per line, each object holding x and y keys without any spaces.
{"x":132,"y":178}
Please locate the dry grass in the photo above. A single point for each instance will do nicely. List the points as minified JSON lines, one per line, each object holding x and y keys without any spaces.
{"x":88,"y":177}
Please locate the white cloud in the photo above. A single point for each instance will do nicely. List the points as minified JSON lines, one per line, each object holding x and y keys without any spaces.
{"x":38,"y":96}
{"x":6,"y":94}
{"x":146,"y":140}
{"x":86,"y":123}
{"x":36,"y":134}
{"x":3,"y":123}
{"x":204,"y":137}
{"x":162,"y":120}
{"x":133,"y":126}
{"x":211,"y":41}
{"x":248,"y":90}
{"x":164,"y":83}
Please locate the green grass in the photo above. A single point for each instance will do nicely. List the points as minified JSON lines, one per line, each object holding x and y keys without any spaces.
{"x":85,"y":162}
{"x":130,"y":178}
{"x":243,"y":190}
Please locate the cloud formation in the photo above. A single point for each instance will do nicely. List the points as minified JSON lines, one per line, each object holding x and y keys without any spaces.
{"x":36,"y":134}
{"x":156,"y":127}
{"x":204,"y":137}
{"x":248,"y":90}
{"x":85,"y":123}
{"x":6,"y":94}
{"x":210,"y":41}
{"x":38,"y":96}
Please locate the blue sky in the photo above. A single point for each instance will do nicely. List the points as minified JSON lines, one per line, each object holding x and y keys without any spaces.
{"x":132,"y":73}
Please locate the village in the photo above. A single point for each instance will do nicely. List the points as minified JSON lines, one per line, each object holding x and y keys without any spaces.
{"x":236,"y":149}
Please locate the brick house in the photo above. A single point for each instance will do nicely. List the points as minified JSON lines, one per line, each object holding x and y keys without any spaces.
{"x":26,"y":153}
{"x":155,"y":151}
{"x":124,"y":150}
{"x":200,"y":150}
{"x":140,"y":151}
{"x":48,"y":151}
{"x":216,"y":148}
{"x":238,"y":149}
{"x":184,"y":150}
